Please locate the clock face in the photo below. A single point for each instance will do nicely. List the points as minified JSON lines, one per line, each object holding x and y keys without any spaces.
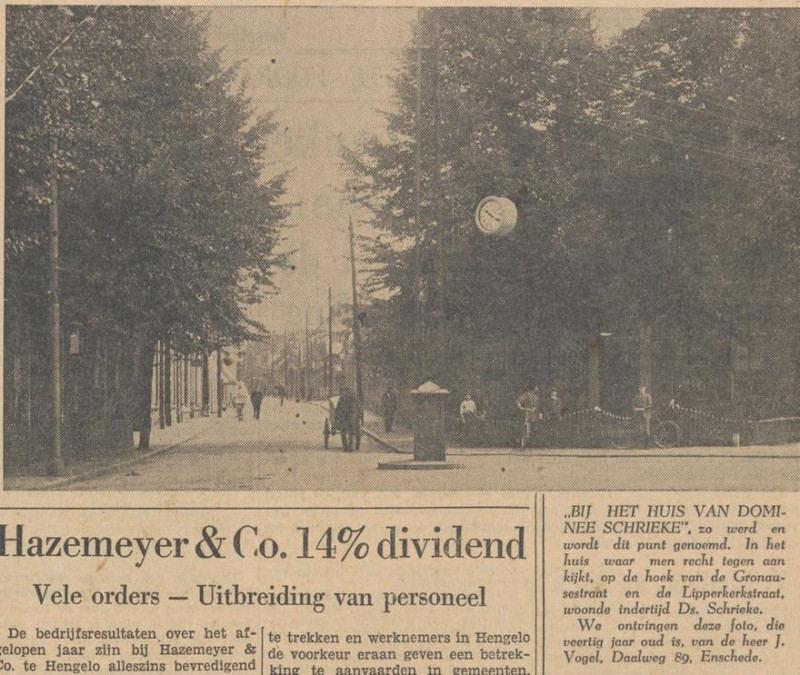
{"x":496,"y":216}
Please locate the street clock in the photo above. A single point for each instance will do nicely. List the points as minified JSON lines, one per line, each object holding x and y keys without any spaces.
{"x":496,"y":216}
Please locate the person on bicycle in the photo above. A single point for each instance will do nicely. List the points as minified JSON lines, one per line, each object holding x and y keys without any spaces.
{"x":528,"y":402}
{"x":643,"y":411}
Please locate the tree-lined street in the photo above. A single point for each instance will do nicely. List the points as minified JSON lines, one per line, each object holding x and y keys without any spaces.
{"x":590,"y":210}
{"x":284,"y":452}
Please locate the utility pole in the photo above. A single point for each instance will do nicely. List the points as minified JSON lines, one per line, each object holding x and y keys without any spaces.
{"x":330,"y":342}
{"x":219,"y":382}
{"x":57,"y":457}
{"x":272,"y":380}
{"x":356,"y":320}
{"x":309,"y":369}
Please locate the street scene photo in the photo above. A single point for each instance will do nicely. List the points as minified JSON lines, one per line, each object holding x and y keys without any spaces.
{"x":377,"y":248}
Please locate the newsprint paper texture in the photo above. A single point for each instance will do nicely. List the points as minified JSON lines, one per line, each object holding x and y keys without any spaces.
{"x":381,"y":340}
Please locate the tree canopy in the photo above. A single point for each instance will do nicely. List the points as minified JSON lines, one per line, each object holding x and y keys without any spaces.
{"x":169,"y":222}
{"x":655,"y":177}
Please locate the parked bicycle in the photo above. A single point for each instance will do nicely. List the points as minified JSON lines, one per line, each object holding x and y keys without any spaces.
{"x":531,"y":415}
{"x":632,"y":434}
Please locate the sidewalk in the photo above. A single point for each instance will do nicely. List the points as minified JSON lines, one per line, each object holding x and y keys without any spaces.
{"x":161,"y":440}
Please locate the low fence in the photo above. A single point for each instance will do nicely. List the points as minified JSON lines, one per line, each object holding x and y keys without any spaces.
{"x":593,"y":428}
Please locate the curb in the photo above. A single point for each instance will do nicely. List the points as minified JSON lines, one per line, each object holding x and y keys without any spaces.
{"x":381,"y":441}
{"x":105,"y":470}
{"x":384,"y":442}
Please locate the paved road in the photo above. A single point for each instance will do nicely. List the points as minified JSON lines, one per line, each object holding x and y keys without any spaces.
{"x":283,"y":451}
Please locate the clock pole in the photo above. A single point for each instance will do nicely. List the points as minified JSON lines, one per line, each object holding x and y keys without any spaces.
{"x":442,"y":348}
{"x":418,"y":286}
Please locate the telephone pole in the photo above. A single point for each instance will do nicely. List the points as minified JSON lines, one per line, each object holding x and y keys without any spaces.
{"x":330,"y":342}
{"x":356,"y":320}
{"x":57,"y":456}
{"x":309,"y":369}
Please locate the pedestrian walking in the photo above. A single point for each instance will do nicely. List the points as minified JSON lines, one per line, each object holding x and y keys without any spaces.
{"x":389,"y":407}
{"x":347,"y":419}
{"x":256,"y":396}
{"x":239,"y":400}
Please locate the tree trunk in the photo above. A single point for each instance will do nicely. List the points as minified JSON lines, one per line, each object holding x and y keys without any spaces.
{"x":146,"y":393}
{"x":204,"y":387}
{"x":167,"y":383}
{"x":160,"y":380}
{"x":593,"y":389}
{"x":178,"y":388}
{"x":646,"y":355}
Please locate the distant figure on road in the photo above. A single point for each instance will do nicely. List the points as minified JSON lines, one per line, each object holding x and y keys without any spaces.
{"x":281,"y":391}
{"x":256,"y":396}
{"x":554,"y":407}
{"x":347,"y":419}
{"x":239,"y":400}
{"x":389,"y":407}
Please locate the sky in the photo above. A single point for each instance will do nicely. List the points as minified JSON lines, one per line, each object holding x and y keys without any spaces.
{"x":325,"y":73}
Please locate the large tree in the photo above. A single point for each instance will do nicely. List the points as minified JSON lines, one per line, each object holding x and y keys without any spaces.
{"x":704,"y":168}
{"x":656,"y":178}
{"x":169,"y":223}
{"x":507,"y":108}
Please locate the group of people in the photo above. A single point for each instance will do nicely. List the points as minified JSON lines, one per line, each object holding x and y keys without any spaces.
{"x":529,"y":401}
{"x":348,"y":412}
{"x":240,"y":401}
{"x":535,"y":410}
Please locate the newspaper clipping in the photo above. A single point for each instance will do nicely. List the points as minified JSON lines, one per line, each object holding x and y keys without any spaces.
{"x":401,"y":340}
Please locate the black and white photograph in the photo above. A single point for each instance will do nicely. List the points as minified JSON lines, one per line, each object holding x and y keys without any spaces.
{"x":332,"y":248}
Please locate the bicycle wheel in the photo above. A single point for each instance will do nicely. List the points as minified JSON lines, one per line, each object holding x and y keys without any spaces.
{"x":622,"y":438}
{"x":667,"y":434}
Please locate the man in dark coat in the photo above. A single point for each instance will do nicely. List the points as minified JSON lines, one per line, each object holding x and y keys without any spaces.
{"x":347,"y":419}
{"x":389,"y":406}
{"x":256,"y":396}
